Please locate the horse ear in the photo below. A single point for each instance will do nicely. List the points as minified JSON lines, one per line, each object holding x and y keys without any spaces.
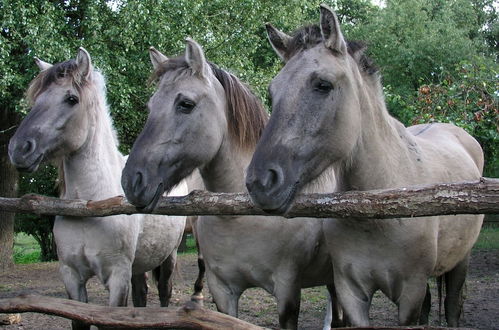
{"x":194,"y":55}
{"x":84,"y":62}
{"x":331,"y":32}
{"x":279,"y":41}
{"x":156,"y":57}
{"x":42,"y":65}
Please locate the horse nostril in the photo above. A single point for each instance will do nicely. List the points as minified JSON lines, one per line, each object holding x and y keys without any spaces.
{"x":28,"y":147}
{"x":271,"y":179}
{"x":137,"y":180}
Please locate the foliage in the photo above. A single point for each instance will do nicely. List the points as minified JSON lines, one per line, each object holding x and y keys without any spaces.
{"x":469,"y":98}
{"x":40,"y":227}
{"x":417,"y":40}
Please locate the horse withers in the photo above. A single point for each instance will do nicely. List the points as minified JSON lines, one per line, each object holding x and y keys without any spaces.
{"x":69,"y":124}
{"x":329,"y":114}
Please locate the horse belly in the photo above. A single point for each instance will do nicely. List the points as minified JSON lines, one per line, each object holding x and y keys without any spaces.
{"x":262,"y":250}
{"x":457,"y":235}
{"x":160,"y":236}
{"x":381,"y":253}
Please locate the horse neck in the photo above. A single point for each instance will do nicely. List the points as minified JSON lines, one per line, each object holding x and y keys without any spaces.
{"x":385,"y":152}
{"x":226,"y":171}
{"x":94,"y":171}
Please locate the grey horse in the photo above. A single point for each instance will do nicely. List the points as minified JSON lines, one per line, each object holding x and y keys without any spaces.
{"x":329,"y":114}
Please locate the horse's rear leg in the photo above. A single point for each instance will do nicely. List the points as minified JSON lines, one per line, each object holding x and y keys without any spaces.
{"x":288,"y":304}
{"x":425,"y":310}
{"x":454,"y":282}
{"x":139,"y":290}
{"x":76,"y":290}
{"x":337,"y":319}
{"x":199,"y":284}
{"x":165,"y":279}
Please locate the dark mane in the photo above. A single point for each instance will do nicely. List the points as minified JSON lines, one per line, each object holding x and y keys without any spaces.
{"x":310,"y":35}
{"x":246,"y":115}
{"x":57,"y":71}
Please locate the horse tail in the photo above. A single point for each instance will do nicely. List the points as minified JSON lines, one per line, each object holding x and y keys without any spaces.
{"x":440,"y":288}
{"x":155,"y":275}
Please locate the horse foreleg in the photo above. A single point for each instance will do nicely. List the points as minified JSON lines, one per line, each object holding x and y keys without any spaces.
{"x":165,"y":279}
{"x":354,"y":300}
{"x":118,"y":284}
{"x":139,"y":290}
{"x":226,"y":297}
{"x":288,"y":304}
{"x":411,"y":300}
{"x":76,"y":290}
{"x":454,"y":282}
{"x":425,"y":310}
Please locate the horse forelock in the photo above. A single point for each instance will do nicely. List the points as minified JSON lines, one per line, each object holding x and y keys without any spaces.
{"x":246,"y":115}
{"x":309,"y":36}
{"x":62,"y":70}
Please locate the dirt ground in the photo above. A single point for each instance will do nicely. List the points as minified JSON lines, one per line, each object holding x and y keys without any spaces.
{"x":481,"y":308}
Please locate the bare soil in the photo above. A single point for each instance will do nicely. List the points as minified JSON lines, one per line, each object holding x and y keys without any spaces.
{"x":481,"y":307}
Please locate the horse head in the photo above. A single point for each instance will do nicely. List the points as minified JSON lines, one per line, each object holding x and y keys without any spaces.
{"x":59,"y":121}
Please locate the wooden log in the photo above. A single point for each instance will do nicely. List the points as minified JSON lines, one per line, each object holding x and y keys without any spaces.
{"x":190,"y":316}
{"x":476,"y":197}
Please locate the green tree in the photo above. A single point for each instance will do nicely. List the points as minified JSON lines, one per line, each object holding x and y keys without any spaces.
{"x":42,"y":182}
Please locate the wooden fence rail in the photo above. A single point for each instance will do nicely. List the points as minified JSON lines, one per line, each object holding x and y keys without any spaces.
{"x":476,"y":197}
{"x":190,"y":316}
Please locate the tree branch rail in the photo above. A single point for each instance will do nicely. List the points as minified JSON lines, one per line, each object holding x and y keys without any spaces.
{"x":472,"y":197}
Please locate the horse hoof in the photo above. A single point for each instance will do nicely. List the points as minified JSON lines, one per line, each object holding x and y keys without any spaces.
{"x":198,"y":299}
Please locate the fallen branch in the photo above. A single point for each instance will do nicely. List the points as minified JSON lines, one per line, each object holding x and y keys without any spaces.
{"x":477,"y":197}
{"x":190,"y":316}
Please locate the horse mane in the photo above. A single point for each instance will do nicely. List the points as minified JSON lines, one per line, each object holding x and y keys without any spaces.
{"x":246,"y":116}
{"x":309,"y":36}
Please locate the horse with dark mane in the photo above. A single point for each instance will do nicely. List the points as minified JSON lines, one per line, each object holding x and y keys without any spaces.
{"x":329,"y":115}
{"x":202,"y":117}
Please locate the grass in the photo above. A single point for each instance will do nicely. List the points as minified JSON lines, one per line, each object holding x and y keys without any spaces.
{"x":191,"y":246}
{"x":489,"y":237}
{"x":26,"y":249}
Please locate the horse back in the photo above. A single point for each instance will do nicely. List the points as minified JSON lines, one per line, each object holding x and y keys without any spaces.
{"x":451,"y":150}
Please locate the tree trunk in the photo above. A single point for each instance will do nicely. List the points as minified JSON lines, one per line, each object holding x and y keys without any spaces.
{"x":8,"y":187}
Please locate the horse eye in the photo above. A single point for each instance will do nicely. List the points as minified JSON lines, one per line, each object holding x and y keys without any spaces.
{"x":323,"y":86}
{"x":72,"y":100}
{"x":185,"y":106}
